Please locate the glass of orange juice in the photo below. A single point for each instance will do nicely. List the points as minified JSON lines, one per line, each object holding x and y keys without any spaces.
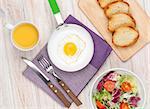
{"x":24,"y":35}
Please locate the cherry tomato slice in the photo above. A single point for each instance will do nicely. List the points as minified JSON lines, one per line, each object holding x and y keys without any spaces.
{"x":126,"y":87}
{"x":100,"y":105}
{"x":109,"y":86}
{"x":124,"y":106}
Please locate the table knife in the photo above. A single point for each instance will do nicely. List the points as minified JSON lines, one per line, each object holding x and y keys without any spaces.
{"x":48,"y":82}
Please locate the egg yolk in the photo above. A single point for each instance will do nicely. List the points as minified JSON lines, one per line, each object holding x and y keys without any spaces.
{"x":70,"y":49}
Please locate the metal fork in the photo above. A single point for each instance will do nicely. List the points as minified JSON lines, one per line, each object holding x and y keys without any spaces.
{"x":49,"y":69}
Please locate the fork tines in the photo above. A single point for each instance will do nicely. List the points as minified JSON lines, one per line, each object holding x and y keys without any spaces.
{"x":43,"y":62}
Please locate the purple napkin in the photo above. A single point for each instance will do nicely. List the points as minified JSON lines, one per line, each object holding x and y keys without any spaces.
{"x":76,"y":80}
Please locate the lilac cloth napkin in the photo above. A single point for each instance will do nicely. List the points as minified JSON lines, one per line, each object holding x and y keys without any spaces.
{"x":76,"y":80}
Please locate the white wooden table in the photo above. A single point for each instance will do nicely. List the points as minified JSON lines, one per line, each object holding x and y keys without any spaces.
{"x":16,"y":92}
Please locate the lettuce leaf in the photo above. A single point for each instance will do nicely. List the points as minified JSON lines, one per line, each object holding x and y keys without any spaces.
{"x":102,"y":96}
{"x":131,"y":80}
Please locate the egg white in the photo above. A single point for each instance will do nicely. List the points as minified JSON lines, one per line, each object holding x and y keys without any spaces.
{"x":80,"y":45}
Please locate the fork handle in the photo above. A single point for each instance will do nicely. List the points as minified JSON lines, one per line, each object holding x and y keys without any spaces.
{"x":59,"y":94}
{"x":70,"y":93}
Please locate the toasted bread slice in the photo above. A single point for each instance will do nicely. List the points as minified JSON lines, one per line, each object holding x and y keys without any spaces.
{"x":125,"y":36}
{"x":104,"y":3}
{"x":117,"y":7}
{"x":119,"y":20}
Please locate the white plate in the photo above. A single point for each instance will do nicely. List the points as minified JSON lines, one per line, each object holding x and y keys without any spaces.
{"x":58,"y":35}
{"x":141,"y":87}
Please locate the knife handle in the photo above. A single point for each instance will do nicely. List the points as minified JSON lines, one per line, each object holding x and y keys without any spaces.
{"x":70,"y":93}
{"x":59,"y":94}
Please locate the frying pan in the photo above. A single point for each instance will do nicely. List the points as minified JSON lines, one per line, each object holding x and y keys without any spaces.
{"x":64,"y":30}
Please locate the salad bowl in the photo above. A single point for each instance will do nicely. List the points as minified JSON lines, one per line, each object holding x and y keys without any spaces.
{"x":134,"y":100}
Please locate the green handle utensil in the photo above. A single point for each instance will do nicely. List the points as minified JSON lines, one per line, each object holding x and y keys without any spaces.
{"x":54,"y":6}
{"x":56,"y":11}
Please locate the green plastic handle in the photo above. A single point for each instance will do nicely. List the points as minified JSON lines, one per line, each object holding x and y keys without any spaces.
{"x":54,"y":6}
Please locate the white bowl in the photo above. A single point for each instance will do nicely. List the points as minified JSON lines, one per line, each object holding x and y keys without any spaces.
{"x":141,"y":87}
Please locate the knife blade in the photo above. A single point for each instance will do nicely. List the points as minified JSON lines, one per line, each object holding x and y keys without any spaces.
{"x":34,"y":67}
{"x":47,"y":81}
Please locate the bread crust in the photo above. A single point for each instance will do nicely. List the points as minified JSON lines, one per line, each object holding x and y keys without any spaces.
{"x":121,"y":26}
{"x":106,"y":8}
{"x":127,"y":45}
{"x":107,"y":4}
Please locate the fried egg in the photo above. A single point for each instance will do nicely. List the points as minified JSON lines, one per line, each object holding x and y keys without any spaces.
{"x":70,"y":48}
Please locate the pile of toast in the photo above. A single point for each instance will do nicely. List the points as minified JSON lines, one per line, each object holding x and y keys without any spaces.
{"x":120,"y":22}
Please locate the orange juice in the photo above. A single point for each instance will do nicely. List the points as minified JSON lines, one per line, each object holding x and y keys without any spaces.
{"x":25,"y":36}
